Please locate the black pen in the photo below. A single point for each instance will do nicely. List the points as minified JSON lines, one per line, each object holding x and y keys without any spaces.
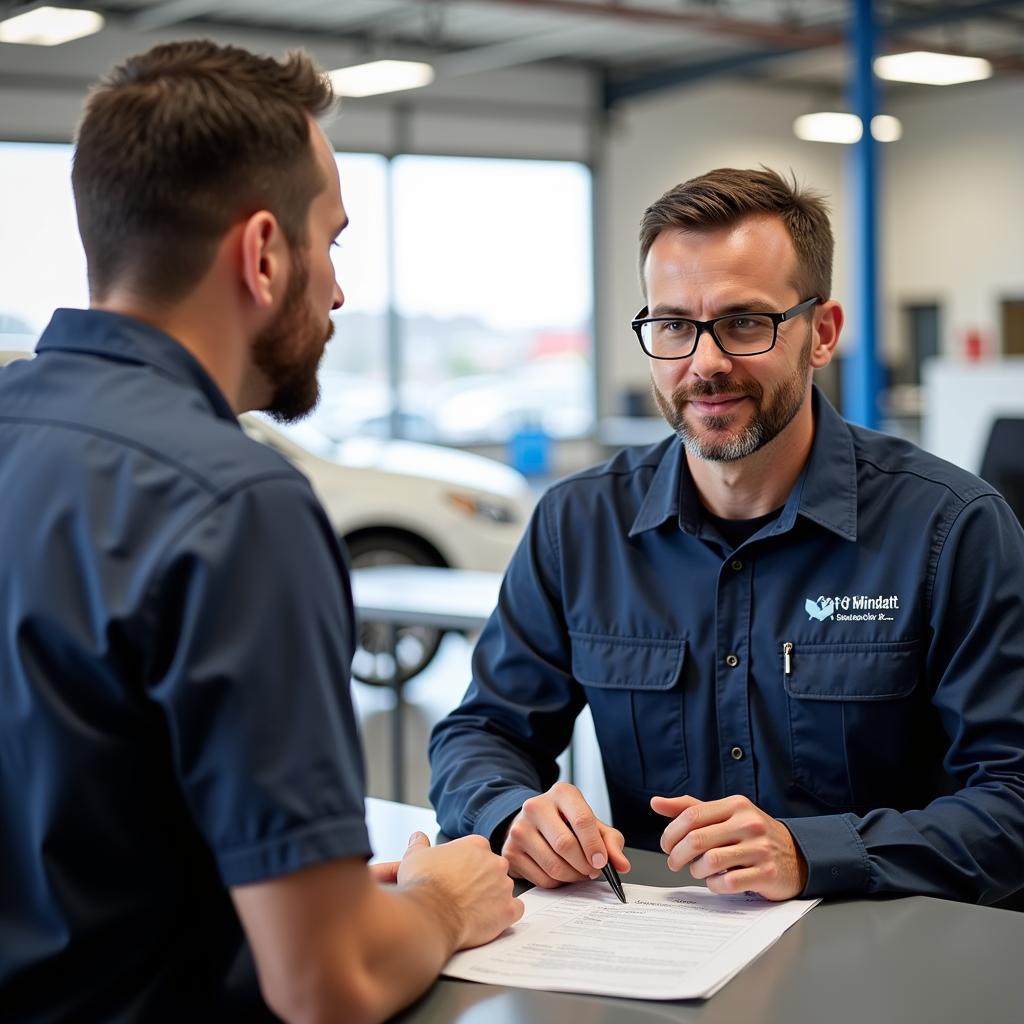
{"x":612,"y":876}
{"x":614,"y":881}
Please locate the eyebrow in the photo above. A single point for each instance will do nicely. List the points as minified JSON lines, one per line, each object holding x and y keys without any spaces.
{"x":746,"y":306}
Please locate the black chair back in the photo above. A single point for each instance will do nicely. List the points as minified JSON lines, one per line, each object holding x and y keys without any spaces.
{"x":1003,"y":463}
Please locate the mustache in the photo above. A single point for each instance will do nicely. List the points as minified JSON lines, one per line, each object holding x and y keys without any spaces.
{"x":711,"y":388}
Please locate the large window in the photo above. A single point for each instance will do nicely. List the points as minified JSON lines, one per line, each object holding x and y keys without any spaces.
{"x":42,"y":265}
{"x":355,"y":373}
{"x":468,"y":298}
{"x":493,"y":289}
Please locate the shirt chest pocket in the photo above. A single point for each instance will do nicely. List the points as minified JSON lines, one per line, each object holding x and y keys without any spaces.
{"x":634,"y":687}
{"x":852,"y":710}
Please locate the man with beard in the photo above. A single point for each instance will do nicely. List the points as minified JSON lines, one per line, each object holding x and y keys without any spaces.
{"x":802,"y":642}
{"x":180,"y":768}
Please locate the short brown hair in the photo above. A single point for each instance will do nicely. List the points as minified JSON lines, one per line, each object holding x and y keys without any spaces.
{"x":726,"y":196}
{"x":176,"y":145}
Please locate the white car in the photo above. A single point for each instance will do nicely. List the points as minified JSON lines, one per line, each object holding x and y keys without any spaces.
{"x":402,"y":502}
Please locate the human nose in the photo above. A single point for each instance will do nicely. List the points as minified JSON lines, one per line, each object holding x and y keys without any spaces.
{"x":708,"y":360}
{"x":339,"y":297}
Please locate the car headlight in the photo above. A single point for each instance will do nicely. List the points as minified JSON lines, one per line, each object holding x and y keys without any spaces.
{"x":485,"y":508}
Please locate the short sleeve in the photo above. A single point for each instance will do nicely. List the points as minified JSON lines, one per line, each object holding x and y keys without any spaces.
{"x":253,"y":615}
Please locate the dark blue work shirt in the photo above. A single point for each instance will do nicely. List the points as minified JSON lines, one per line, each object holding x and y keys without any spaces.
{"x":855,"y":667}
{"x":175,"y":637}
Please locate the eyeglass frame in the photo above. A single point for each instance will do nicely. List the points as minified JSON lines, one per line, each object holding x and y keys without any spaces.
{"x":708,"y":326}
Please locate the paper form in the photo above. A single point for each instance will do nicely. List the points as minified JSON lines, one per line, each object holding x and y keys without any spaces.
{"x":681,"y":943}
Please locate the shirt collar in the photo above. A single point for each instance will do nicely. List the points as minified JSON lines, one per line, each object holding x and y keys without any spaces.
{"x":829,"y":492}
{"x":115,"y":336}
{"x":825,"y":492}
{"x":662,"y":498}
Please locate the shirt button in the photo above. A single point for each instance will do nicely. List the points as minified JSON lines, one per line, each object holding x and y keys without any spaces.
{"x":737,"y":564}
{"x":731,"y":660}
{"x":736,"y":753}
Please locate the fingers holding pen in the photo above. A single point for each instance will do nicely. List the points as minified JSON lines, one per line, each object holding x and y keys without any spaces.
{"x":556,"y":836}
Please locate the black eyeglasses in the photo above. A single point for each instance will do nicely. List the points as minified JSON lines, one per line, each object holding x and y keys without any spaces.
{"x":736,"y":334}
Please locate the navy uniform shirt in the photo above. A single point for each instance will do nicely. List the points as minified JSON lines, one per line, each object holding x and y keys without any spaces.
{"x":175,"y":636}
{"x":855,"y":668}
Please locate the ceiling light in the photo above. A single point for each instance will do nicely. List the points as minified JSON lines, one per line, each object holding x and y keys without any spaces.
{"x":49,"y":26}
{"x":380,"y":76}
{"x":828,"y":126}
{"x":932,"y":68}
{"x":832,"y":126}
{"x":886,"y":128}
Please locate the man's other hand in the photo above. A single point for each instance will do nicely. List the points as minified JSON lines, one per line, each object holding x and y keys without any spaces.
{"x":733,"y":845}
{"x":556,"y":838}
{"x":472,"y":885}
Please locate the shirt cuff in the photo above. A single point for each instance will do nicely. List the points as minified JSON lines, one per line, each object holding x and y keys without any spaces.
{"x":837,"y":863}
{"x":495,"y":813}
{"x":285,"y":854}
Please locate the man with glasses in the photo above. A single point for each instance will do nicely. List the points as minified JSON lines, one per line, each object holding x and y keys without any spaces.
{"x":802,"y":642}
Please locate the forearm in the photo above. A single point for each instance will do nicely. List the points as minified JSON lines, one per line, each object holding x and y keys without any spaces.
{"x":389,"y":951}
{"x":408,"y":939}
{"x":479,"y":778}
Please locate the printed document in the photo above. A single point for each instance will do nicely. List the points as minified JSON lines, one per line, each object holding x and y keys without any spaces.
{"x":681,"y":943}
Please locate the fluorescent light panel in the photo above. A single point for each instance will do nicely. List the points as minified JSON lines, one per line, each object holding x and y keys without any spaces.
{"x":380,"y":76}
{"x":846,"y":129}
{"x":886,"y":128}
{"x":49,"y":26}
{"x":926,"y":68}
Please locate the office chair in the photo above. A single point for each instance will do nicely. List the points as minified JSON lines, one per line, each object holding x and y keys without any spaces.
{"x":1003,"y":462}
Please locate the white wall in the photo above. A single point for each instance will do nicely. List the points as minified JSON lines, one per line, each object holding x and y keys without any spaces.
{"x":954,"y":210}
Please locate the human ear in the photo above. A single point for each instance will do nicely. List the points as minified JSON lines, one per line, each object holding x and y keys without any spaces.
{"x":262,"y":262}
{"x":827,"y":326}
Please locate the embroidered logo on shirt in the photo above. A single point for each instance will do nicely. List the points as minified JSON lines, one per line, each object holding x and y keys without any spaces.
{"x":823,"y":608}
{"x":852,"y":607}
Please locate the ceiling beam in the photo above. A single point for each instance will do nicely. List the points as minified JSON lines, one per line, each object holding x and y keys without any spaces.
{"x":594,"y":10}
{"x":893,"y":33}
{"x":511,"y":53}
{"x":170,"y":12}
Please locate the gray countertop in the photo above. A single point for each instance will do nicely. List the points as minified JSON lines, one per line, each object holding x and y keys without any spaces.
{"x":900,"y":960}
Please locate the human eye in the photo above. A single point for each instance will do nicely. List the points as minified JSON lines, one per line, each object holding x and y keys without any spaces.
{"x":743,"y":323}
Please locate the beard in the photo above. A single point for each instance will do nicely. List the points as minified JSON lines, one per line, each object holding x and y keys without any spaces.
{"x":289,"y":349}
{"x":770,"y":418}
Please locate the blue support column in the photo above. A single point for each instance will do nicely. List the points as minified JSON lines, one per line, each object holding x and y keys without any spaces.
{"x":861,"y":378}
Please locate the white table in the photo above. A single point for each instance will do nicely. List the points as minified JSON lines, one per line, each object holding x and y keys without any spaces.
{"x":391,"y":824}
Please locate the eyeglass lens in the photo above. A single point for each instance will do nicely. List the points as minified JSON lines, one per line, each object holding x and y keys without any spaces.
{"x":739,"y":335}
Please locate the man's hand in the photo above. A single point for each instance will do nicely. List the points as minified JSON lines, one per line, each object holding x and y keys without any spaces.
{"x":733,"y":845}
{"x":386,"y":872}
{"x":468,"y":885}
{"x":556,"y":839}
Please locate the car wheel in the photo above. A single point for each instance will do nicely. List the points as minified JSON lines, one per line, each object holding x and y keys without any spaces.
{"x":374,"y":661}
